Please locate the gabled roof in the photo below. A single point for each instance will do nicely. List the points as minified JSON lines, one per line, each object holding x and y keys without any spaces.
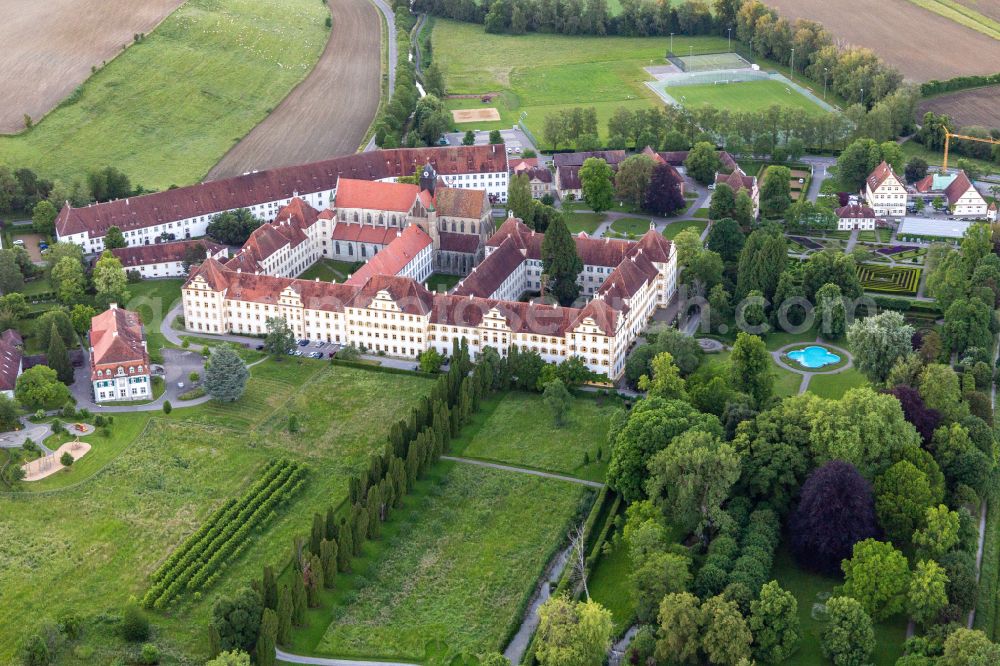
{"x":458,"y":202}
{"x":160,"y":253}
{"x":737,"y":180}
{"x":519,"y":164}
{"x":395,"y":256}
{"x":362,"y":233}
{"x":116,"y":337}
{"x":882,"y":173}
{"x":612,"y":157}
{"x":490,"y":273}
{"x":410,"y":296}
{"x":959,"y":187}
{"x":603,"y":315}
{"x":541,"y":174}
{"x":456,"y":242}
{"x":287,"y":230}
{"x":11,"y":353}
{"x":398,"y":197}
{"x":274,"y":184}
{"x":855,"y":212}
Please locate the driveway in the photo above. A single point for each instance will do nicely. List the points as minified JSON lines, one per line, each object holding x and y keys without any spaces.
{"x":177,"y":365}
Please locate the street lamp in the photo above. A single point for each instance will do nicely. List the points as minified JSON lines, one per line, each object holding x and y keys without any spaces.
{"x":862,"y":97}
{"x":791,"y":66}
{"x":671,"y":43}
{"x":690,"y":49}
{"x":730,"y":37}
{"x":825,"y":70}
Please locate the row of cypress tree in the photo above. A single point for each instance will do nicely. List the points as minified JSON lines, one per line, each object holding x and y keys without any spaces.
{"x":413,"y":445}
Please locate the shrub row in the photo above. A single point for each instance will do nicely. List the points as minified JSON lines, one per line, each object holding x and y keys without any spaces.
{"x":740,"y":572}
{"x":989,"y":595}
{"x":224,"y":536}
{"x":935,"y":87}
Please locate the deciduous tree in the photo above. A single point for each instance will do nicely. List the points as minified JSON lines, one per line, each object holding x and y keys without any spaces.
{"x":774,"y":624}
{"x":680,"y":622}
{"x":726,"y":639}
{"x":39,"y":388}
{"x":849,"y":637}
{"x":114,"y":238}
{"x":750,"y":369}
{"x":876,"y":576}
{"x":279,"y":338}
{"x":703,"y":162}
{"x":664,"y":196}
{"x":110,"y":281}
{"x":632,"y":179}
{"x":878,"y":341}
{"x":572,"y":633}
{"x":595,"y":182}
{"x":928,"y":591}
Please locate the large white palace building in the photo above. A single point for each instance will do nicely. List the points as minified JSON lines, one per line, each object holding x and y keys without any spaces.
{"x":350,"y":209}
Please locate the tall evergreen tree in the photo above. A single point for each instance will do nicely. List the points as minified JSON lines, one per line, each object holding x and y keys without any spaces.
{"x":58,"y":358}
{"x":318,"y":533}
{"x":284,"y":616}
{"x":345,"y":547}
{"x":225,"y":375}
{"x":269,"y":588}
{"x":373,"y":506}
{"x":328,"y":560}
{"x":298,"y":594}
{"x":267,"y":638}
{"x":330,"y":531}
{"x":214,"y":641}
{"x":560,"y":262}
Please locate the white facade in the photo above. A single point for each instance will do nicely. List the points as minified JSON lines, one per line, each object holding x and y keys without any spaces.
{"x":123,"y":387}
{"x":970,"y":204}
{"x":888,"y":198}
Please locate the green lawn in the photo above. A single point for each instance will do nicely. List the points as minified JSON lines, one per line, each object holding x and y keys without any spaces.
{"x":588,"y":222}
{"x":152,"y":299}
{"x":329,"y":270}
{"x":603,"y":72}
{"x":675,"y":228}
{"x":442,"y":281}
{"x":836,"y":385}
{"x":935,"y":158}
{"x":812,"y":590}
{"x":610,"y":586}
{"x":453,"y":569}
{"x":635,"y":226}
{"x":168,"y":108}
{"x":110,"y":520}
{"x":701,"y":213}
{"x":515,"y":428}
{"x":744,"y":97}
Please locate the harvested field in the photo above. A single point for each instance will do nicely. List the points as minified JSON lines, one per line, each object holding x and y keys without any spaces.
{"x":980,"y":106}
{"x":987,"y":8}
{"x":49,"y":48}
{"x":328,"y":113}
{"x":475,"y":115}
{"x":904,"y":34}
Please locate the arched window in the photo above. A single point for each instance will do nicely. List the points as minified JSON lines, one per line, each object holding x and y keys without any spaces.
{"x":336,"y":247}
{"x":355,"y":216}
{"x":369,"y":217}
{"x":463,"y":227}
{"x":350,"y":249}
{"x":381,"y":220}
{"x":364,"y":253}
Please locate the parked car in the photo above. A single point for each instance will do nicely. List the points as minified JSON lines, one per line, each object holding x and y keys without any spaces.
{"x":316,"y":355}
{"x":259,"y":347}
{"x":290,"y":352}
{"x":303,"y":342}
{"x":43,"y":245}
{"x":19,"y":243}
{"x":801,"y":180}
{"x":712,"y":186}
{"x":180,"y":385}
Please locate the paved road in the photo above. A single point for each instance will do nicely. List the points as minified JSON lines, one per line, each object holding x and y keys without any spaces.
{"x":524,"y":470}
{"x":519,"y":644}
{"x":323,"y":661}
{"x":820,"y":167}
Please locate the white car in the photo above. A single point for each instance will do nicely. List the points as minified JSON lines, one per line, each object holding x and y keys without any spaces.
{"x":180,"y":384}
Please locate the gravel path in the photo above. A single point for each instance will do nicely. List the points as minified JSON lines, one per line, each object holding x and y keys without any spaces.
{"x":807,"y":376}
{"x":524,"y":470}
{"x":324,"y":661}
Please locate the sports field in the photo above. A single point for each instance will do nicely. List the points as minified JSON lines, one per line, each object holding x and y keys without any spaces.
{"x":600,"y":72}
{"x":745,"y":96}
{"x":168,"y":108}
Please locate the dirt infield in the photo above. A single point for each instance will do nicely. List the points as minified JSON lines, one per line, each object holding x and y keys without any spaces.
{"x":329,"y":112}
{"x":487,"y":115}
{"x":922,"y":44}
{"x":967,"y":107}
{"x":49,"y":48}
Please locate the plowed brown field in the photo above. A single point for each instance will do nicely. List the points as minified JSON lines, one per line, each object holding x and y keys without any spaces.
{"x":920,"y":43}
{"x":967,"y":107}
{"x":988,"y":8}
{"x":49,"y":48}
{"x":329,"y":112}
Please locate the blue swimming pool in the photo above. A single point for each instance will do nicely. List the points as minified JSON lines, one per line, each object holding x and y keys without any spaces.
{"x":814,"y":356}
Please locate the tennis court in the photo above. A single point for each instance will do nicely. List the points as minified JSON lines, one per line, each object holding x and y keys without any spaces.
{"x":708,"y":61}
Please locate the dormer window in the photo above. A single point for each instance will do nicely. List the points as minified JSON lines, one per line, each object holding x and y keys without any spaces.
{"x":131,"y":370}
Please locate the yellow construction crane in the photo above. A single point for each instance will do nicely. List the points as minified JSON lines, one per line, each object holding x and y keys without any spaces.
{"x":947,"y":140}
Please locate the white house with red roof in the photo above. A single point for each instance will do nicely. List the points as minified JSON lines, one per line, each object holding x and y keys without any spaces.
{"x":885,"y":192}
{"x":855,"y":216}
{"x":119,"y":362}
{"x":167,"y":259}
{"x":964,"y":200}
{"x":184,"y":212}
{"x":738,"y":181}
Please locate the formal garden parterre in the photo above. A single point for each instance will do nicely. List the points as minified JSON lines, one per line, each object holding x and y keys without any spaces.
{"x":903,"y":281}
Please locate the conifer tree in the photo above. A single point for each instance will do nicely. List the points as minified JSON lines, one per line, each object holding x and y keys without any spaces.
{"x":560,"y":262}
{"x":359,"y":523}
{"x":374,"y":509}
{"x":328,"y":560}
{"x":284,"y":616}
{"x":318,"y":533}
{"x":345,"y":547}
{"x":313,"y":579}
{"x":412,"y":467}
{"x":58,"y":358}
{"x":269,"y":589}
{"x":298,"y":594}
{"x":266,"y":638}
{"x":330,"y":528}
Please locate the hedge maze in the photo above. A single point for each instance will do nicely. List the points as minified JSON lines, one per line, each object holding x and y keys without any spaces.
{"x":197,"y":562}
{"x":889,"y":280}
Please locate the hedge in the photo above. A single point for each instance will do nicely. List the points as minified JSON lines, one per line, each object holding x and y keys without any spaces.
{"x":196,"y":563}
{"x":935,"y":87}
{"x":986,"y":605}
{"x":380,"y":368}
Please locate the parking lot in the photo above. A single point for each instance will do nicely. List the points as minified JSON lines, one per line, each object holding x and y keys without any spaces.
{"x":515,"y":139}
{"x":311,"y":349}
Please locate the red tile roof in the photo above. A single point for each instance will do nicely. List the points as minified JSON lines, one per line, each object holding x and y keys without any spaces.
{"x":362,"y":233}
{"x":160,"y":253}
{"x":519,"y":164}
{"x":456,"y":242}
{"x":11,"y":353}
{"x":458,"y":202}
{"x":117,"y":339}
{"x":540,"y":174}
{"x":855,"y":212}
{"x":287,"y":230}
{"x":491,"y":272}
{"x":398,"y":197}
{"x":273,"y":185}
{"x":395,"y":256}
{"x":411,"y":296}
{"x":737,"y":180}
{"x":882,"y":173}
{"x":593,"y":251}
{"x":958,"y":187}
{"x":676,"y":158}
